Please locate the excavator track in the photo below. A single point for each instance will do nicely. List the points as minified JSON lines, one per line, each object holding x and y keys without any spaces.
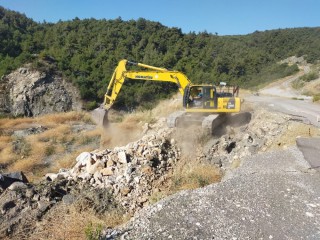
{"x":172,"y":120}
{"x":183,"y":119}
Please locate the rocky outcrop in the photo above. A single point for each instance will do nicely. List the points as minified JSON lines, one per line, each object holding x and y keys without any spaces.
{"x":27,"y":92}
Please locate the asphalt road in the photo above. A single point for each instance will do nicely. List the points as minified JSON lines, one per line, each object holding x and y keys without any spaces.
{"x":308,"y":112}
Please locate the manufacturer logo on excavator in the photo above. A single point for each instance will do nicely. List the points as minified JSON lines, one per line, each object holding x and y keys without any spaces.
{"x":143,"y":77}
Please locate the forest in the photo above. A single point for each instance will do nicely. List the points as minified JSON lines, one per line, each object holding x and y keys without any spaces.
{"x":86,"y":52}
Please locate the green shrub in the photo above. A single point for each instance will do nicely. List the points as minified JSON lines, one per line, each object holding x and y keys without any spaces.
{"x":21,"y":147}
{"x":93,"y":232}
{"x":310,"y":76}
{"x":50,"y":150}
{"x":316,"y":97}
{"x":297,"y":84}
{"x":90,"y":105}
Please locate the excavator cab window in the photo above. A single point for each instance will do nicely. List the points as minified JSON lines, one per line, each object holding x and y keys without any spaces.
{"x":202,"y":97}
{"x":196,"y":97}
{"x":210,"y":98}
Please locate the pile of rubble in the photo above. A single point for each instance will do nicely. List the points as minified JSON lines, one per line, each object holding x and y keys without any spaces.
{"x":255,"y":134}
{"x":131,"y":173}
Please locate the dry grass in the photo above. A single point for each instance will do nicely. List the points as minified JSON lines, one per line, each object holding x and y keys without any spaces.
{"x":46,"y":120}
{"x":295,"y":129}
{"x":68,"y":160}
{"x":36,"y":154}
{"x":188,"y":174}
{"x":194,"y":175}
{"x":18,"y":123}
{"x":61,"y":118}
{"x":66,"y":222}
{"x":7,"y":155}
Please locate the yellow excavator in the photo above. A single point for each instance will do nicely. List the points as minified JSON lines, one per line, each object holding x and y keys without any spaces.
{"x":202,"y":103}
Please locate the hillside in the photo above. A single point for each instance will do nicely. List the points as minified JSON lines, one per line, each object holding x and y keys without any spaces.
{"x":86,"y":52}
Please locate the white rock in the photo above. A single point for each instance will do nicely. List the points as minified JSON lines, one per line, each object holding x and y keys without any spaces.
{"x":63,"y":175}
{"x":98,"y":165}
{"x":137,"y":179}
{"x":17,"y":185}
{"x":85,"y":176}
{"x":122,"y":157}
{"x":92,"y":181}
{"x":83,"y":158}
{"x":51,"y":176}
{"x":97,"y":176}
{"x":106,"y":171}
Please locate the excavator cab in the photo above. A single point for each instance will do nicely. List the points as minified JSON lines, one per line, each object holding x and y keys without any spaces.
{"x":211,"y":98}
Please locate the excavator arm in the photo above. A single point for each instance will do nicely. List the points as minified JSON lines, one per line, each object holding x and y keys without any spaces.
{"x":153,"y":74}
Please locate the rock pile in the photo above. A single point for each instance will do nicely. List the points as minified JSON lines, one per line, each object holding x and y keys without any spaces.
{"x":131,"y":173}
{"x":255,"y":135}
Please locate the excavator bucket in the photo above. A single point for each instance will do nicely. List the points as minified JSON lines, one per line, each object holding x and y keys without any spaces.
{"x":100,"y":117}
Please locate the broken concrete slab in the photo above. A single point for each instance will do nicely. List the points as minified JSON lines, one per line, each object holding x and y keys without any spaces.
{"x":310,"y":148}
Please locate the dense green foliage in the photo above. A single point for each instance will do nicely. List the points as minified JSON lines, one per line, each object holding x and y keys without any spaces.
{"x":87,"y":51}
{"x":310,"y":76}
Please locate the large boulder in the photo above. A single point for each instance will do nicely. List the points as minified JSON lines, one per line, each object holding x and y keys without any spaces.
{"x":7,"y":179}
{"x":27,"y":92}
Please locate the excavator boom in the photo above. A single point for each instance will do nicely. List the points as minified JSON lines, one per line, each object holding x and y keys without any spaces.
{"x":154,"y":74}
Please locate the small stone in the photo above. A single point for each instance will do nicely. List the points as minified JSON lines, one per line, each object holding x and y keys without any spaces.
{"x":110,"y":163}
{"x":142,"y":200}
{"x":84,"y":157}
{"x":30,"y":192}
{"x":43,"y":205}
{"x":124,"y":191}
{"x":97,"y":176}
{"x":106,"y":171}
{"x":309,"y":214}
{"x":51,"y":176}
{"x":36,"y":197}
{"x":62,"y":175}
{"x":146,"y":170}
{"x":98,"y":165}
{"x":122,"y":157}
{"x":137,"y":179}
{"x":6,"y":206}
{"x":85,"y":176}
{"x":68,"y":199}
{"x":17,"y":176}
{"x":17,"y":185}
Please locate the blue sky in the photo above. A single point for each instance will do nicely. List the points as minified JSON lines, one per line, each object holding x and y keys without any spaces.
{"x":226,"y":17}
